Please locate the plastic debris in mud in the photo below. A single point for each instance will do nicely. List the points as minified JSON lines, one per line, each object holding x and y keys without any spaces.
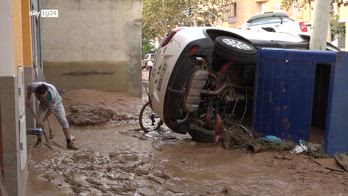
{"x":299,"y":149}
{"x":270,"y":143}
{"x":313,"y":150}
{"x":238,"y":137}
{"x":272,"y":138}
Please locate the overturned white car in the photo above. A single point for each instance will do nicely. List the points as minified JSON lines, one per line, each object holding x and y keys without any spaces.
{"x":202,"y":79}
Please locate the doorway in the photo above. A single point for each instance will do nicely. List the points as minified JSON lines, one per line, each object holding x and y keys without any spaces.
{"x":320,"y":103}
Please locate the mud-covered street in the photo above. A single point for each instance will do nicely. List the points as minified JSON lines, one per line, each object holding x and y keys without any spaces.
{"x":116,"y":158}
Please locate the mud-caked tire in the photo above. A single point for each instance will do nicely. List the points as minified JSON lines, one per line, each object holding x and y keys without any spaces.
{"x":235,"y":50}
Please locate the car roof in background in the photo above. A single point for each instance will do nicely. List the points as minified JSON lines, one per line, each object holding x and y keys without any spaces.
{"x":248,"y":34}
{"x":267,"y":14}
{"x":264,"y":35}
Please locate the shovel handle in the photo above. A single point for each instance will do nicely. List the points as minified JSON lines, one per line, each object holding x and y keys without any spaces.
{"x":32,"y":111}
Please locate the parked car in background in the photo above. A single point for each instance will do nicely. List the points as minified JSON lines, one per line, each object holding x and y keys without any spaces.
{"x":203,"y":77}
{"x":148,"y":60}
{"x":275,"y":22}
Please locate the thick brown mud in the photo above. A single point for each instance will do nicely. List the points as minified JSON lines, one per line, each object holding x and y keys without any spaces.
{"x":117,"y":158}
{"x":82,"y":115}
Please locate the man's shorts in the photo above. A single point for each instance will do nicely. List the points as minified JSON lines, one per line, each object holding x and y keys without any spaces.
{"x":58,"y":111}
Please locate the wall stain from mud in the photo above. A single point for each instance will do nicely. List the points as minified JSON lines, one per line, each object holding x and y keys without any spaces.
{"x":110,"y":76}
{"x":87,"y":73}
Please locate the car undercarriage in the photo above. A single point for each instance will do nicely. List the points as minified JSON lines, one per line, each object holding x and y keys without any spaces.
{"x":210,"y":88}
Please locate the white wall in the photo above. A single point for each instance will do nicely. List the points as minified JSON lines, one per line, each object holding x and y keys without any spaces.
{"x":7,"y":67}
{"x":88,"y":30}
{"x":93,"y":44}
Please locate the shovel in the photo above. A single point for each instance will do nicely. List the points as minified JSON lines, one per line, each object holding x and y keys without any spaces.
{"x":46,"y":138}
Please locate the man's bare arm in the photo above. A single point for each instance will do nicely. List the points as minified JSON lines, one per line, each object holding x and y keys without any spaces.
{"x":28,"y":97}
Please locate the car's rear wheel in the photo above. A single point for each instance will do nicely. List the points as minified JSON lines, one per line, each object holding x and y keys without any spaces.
{"x":235,"y":50}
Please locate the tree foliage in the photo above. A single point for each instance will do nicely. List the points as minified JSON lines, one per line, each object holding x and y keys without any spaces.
{"x":147,"y":46}
{"x":301,"y":4}
{"x":161,"y":16}
{"x":337,"y":28}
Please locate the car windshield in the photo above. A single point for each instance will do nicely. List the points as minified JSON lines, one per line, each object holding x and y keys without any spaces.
{"x":268,"y":20}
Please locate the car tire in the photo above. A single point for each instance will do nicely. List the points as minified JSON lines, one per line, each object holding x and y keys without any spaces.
{"x":204,"y":136}
{"x":235,"y":50}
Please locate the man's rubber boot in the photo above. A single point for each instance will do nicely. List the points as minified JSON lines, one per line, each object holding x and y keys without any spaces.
{"x":71,"y":146}
{"x":38,"y":143}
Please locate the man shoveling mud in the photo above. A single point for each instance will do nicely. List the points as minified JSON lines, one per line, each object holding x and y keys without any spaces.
{"x":50,"y":102}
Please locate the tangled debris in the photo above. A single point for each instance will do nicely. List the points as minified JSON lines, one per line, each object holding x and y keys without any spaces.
{"x":241,"y":137}
{"x":237,"y":137}
{"x":82,"y":115}
{"x":262,"y":145}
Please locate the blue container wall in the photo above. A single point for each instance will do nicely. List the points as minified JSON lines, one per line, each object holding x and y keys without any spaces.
{"x":284,"y":91}
{"x":336,"y":137}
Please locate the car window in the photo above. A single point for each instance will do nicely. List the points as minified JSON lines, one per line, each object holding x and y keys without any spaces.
{"x":268,"y":20}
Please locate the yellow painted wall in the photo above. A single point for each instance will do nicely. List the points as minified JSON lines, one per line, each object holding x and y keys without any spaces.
{"x":245,"y":9}
{"x":303,"y":15}
{"x":22,"y":33}
{"x":17,"y":32}
{"x":26,"y":30}
{"x":270,"y":6}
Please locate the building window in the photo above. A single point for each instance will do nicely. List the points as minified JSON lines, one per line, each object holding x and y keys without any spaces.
{"x":231,"y":13}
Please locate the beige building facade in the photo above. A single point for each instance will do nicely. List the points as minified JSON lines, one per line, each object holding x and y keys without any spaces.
{"x":343,"y":17}
{"x":241,"y":10}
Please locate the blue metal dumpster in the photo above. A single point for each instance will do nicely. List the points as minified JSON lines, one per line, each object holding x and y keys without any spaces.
{"x":295,"y":89}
